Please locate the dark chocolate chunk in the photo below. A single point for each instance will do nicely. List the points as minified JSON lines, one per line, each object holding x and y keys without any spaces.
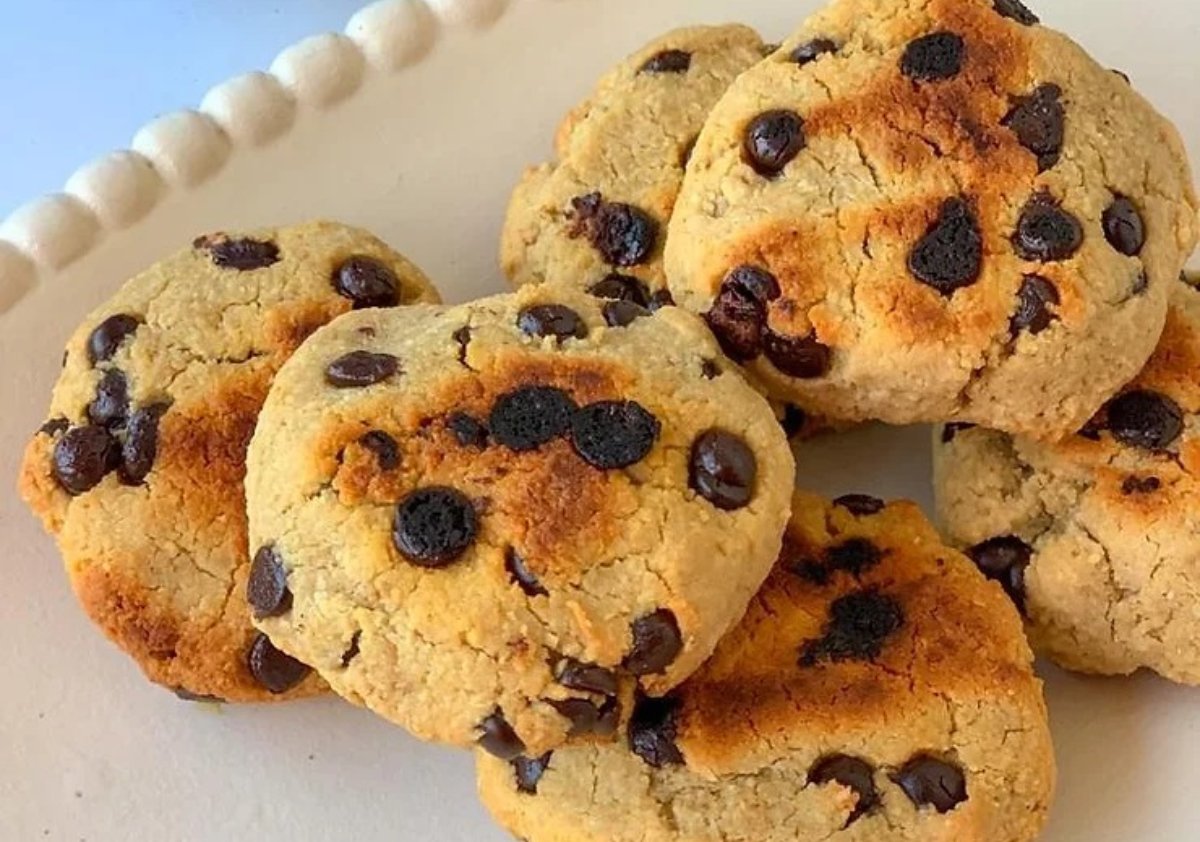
{"x":802,"y":357}
{"x":668,"y":61}
{"x":932,"y":782}
{"x":107,"y":337}
{"x":1034,"y":299}
{"x":528,"y":772}
{"x":934,"y":57}
{"x":653,"y":730}
{"x":589,"y":718}
{"x":622,"y":288}
{"x":498,"y":738}
{"x":266,"y":588}
{"x":244,"y":255}
{"x":723,"y":469}
{"x":530,"y":417}
{"x":950,"y":254}
{"x":1038,"y":121}
{"x":590,"y":678}
{"x":858,"y":627}
{"x":83,"y":456}
{"x":753,"y":282}
{"x":359,"y":369}
{"x":812,"y":50}
{"x":853,"y":773}
{"x":1046,"y":232}
{"x":277,"y":671}
{"x":140,"y":448}
{"x":657,"y":642}
{"x":385,"y":448}
{"x":624,"y":235}
{"x":1004,"y":560}
{"x":54,"y":427}
{"x":111,"y":405}
{"x":468,"y":431}
{"x":737,"y":321}
{"x":1123,"y":226}
{"x":522,"y":575}
{"x":434,"y":526}
{"x":552,"y":320}
{"x":860,"y":505}
{"x":367,"y":282}
{"x":610,"y":435}
{"x":772,"y":140}
{"x":1145,"y":419}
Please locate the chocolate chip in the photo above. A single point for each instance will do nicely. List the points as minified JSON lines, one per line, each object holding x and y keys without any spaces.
{"x":352,"y":650}
{"x":590,"y":678}
{"x":1140,"y":485}
{"x":1037,"y":120}
{"x":385,"y":448}
{"x":802,"y":357}
{"x":772,"y":140}
{"x":468,"y":431}
{"x":54,"y":426}
{"x":1145,"y":419}
{"x":1016,"y":10}
{"x":623,"y":234}
{"x":1123,"y":227}
{"x":462,"y":337}
{"x":111,"y":405}
{"x":367,"y":282}
{"x":794,"y":420}
{"x":498,"y":738}
{"x":529,"y":771}
{"x":737,"y":322}
{"x":950,"y":254}
{"x":622,"y":313}
{"x":434,"y":526}
{"x":552,"y":320}
{"x":951,"y":431}
{"x":1046,"y":232}
{"x":1004,"y":560}
{"x":140,"y":448}
{"x":860,"y":505}
{"x":723,"y":469}
{"x":244,"y":255}
{"x":622,"y":288}
{"x":614,"y":434}
{"x":359,"y":369}
{"x":266,"y":588}
{"x":83,"y":456}
{"x":653,"y":730}
{"x":668,"y":61}
{"x":756,"y":283}
{"x":107,"y":337}
{"x":589,"y":718}
{"x":931,"y":782}
{"x":812,"y":50}
{"x":1033,"y":305}
{"x":934,"y":57}
{"x":854,"y":555}
{"x":854,"y":774}
{"x":530,"y":417}
{"x":275,"y":670}
{"x":709,"y":370}
{"x":657,"y":642}
{"x":661,"y":298}
{"x":859,"y":624}
{"x":522,"y":575}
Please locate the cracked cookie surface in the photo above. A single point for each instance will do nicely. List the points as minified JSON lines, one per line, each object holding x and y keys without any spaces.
{"x":930,"y":210}
{"x":601,"y":209}
{"x":519,"y":510}
{"x":138,"y":471}
{"x":1096,"y":537}
{"x":878,"y":688}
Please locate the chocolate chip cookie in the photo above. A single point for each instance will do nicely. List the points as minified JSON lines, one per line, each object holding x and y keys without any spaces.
{"x":493,"y":523}
{"x":597,"y":216}
{"x":940,"y":210}
{"x":878,"y":688}
{"x":1096,"y":538}
{"x":138,"y":471}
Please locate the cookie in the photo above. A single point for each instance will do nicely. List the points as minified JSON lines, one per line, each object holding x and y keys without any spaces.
{"x":950,"y":213}
{"x":878,"y":688}
{"x":1096,"y":537}
{"x":138,"y":471}
{"x":597,"y":216}
{"x":491,"y":523}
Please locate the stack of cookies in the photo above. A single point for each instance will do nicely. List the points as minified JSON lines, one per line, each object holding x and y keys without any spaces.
{"x":559,"y":526}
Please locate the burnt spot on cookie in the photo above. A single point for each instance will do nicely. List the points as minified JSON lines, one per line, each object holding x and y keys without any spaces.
{"x":352,"y":650}
{"x":1038,"y":121}
{"x":110,"y":407}
{"x":360,"y":369}
{"x":54,"y":427}
{"x":860,"y":505}
{"x":668,"y":61}
{"x":83,"y":456}
{"x":950,"y":431}
{"x":140,"y":448}
{"x":528,"y":771}
{"x":657,"y":642}
{"x":590,"y":678}
{"x":934,"y":57}
{"x":617,"y":287}
{"x":723,"y":469}
{"x":1140,"y":485}
{"x":498,"y":738}
{"x":553,"y":320}
{"x":366,"y":282}
{"x":243,"y":255}
{"x":520,"y":573}
{"x":802,"y":357}
{"x":266,"y":588}
{"x":1045,"y":232}
{"x":622,"y":234}
{"x":1015,"y":10}
{"x":854,"y":556}
{"x":468,"y":430}
{"x":930,"y":781}
{"x":588,"y":717}
{"x":385,"y":448}
{"x":855,"y":774}
{"x":622,"y":313}
{"x":530,"y":417}
{"x":859,"y":625}
{"x":434,"y":526}
{"x":277,"y":671}
{"x":772,"y":140}
{"x":462,"y":338}
{"x":1034,"y":300}
{"x":1004,"y":560}
{"x":950,"y":254}
{"x":1123,"y":226}
{"x":106,"y":338}
{"x":1145,"y":419}
{"x":810,"y":51}
{"x":610,"y":435}
{"x":653,"y":730}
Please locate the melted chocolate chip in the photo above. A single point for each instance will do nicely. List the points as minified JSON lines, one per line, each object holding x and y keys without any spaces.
{"x":590,"y":678}
{"x":668,"y":61}
{"x":522,"y":575}
{"x":266,"y":588}
{"x":528,"y":772}
{"x":589,"y":718}
{"x":653,"y":730}
{"x":498,"y":738}
{"x":1145,"y":419}
{"x":950,"y":254}
{"x":352,"y":650}
{"x":812,"y":50}
{"x":244,"y":255}
{"x":1004,"y":560}
{"x":1046,"y":232}
{"x":385,"y":448}
{"x":107,"y":337}
{"x":360,"y":369}
{"x":858,"y":627}
{"x":82,"y":458}
{"x":1033,"y":305}
{"x":853,"y":773}
{"x":622,"y":288}
{"x":140,"y":448}
{"x":723,"y":470}
{"x":610,"y":435}
{"x":931,"y":782}
{"x":54,"y":426}
{"x":657,"y":642}
{"x":622,"y":313}
{"x":111,"y":405}
{"x":737,"y":321}
{"x":434,"y":526}
{"x":860,"y":505}
{"x":854,"y":555}
{"x":1123,"y":227}
{"x":367,"y":282}
{"x":277,"y":671}
{"x":772,"y":140}
{"x":623,"y":234}
{"x":1140,"y":485}
{"x":1015,"y":10}
{"x":951,"y":431}
{"x":552,"y":320}
{"x":801,"y":357}
{"x":1038,"y":120}
{"x":530,"y":417}
{"x":468,"y":431}
{"x":934,"y":57}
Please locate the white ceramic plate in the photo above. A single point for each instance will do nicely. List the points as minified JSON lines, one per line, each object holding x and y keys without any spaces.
{"x":416,"y":126}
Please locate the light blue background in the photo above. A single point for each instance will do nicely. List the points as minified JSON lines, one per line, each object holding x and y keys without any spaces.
{"x":79,"y":77}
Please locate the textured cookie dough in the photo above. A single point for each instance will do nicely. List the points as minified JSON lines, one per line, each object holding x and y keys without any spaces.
{"x":138,"y":471}
{"x":602,"y":208}
{"x":878,"y":688}
{"x":1097,"y":538}
{"x":930,"y":210}
{"x":513,"y":512}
